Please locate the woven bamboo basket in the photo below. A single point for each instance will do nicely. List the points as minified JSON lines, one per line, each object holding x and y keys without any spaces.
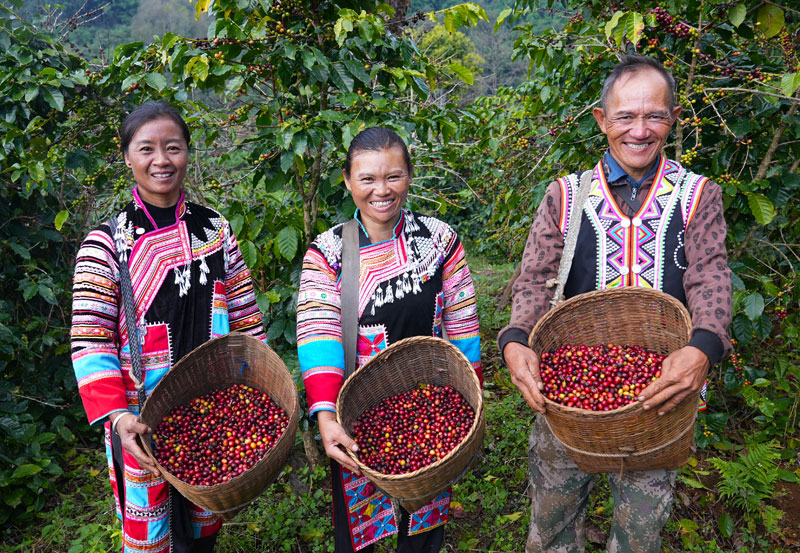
{"x":401,"y":367}
{"x":221,"y":363}
{"x":628,"y":438}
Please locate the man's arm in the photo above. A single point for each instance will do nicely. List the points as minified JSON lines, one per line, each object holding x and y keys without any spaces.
{"x":532,"y":297}
{"x":707,"y":283}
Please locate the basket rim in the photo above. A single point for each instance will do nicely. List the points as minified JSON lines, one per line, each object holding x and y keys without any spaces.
{"x":293,"y":422}
{"x":476,"y":423}
{"x":602,"y":295}
{"x":605,"y":294}
{"x":294,"y":415}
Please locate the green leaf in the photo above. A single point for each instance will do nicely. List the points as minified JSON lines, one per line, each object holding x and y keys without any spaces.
{"x":156,"y":80}
{"x":276,"y":329}
{"x":61,"y":218}
{"x":761,"y":208}
{"x":788,"y":476}
{"x":263,"y":302}
{"x":287,"y":242}
{"x":200,"y":67}
{"x":501,"y":17}
{"x":463,"y":73}
{"x":340,"y":77}
{"x":736,"y":15}
{"x":754,"y":306}
{"x":737,"y":282}
{"x":36,"y":172}
{"x":771,"y":19}
{"x":742,"y":328}
{"x":48,"y":295}
{"x":31,"y":92}
{"x":726,"y":525}
{"x":53,"y":97}
{"x":201,"y":7}
{"x":691,"y":482}
{"x":612,"y":23}
{"x":23,"y":471}
{"x":237,"y":222}
{"x":790,"y":82}
{"x":634,"y":25}
{"x":249,"y":253}
{"x":20,"y":250}
{"x":29,"y":290}
{"x":767,"y":407}
{"x":763,"y":326}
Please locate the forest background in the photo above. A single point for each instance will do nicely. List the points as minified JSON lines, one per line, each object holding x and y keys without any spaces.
{"x":495,"y":100}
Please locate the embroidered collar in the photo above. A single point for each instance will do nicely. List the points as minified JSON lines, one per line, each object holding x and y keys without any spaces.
{"x":616,"y":175}
{"x":180,"y":207}
{"x":396,"y":231}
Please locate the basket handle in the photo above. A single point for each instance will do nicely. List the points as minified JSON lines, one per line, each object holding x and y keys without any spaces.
{"x":349,"y":295}
{"x":571,"y":241}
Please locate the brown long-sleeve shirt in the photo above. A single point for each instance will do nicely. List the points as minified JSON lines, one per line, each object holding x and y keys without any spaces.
{"x":706,"y":282}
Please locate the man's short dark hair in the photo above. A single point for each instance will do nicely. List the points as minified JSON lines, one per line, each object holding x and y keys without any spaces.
{"x":633,"y":64}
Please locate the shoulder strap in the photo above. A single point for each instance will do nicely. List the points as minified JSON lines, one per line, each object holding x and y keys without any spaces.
{"x":350,"y":270}
{"x":130,"y":315}
{"x":571,"y":240}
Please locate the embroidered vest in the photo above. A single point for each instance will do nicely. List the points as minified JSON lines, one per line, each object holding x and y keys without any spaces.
{"x":644,"y":250}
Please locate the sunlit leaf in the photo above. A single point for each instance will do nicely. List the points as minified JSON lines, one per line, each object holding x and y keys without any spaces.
{"x":61,"y":218}
{"x":463,"y":73}
{"x":770,"y":19}
{"x":761,"y":208}
{"x":737,"y":14}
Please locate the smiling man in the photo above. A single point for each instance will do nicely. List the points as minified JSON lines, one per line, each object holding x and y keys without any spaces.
{"x":647,"y":222}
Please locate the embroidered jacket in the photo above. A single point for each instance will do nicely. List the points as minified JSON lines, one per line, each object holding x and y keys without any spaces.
{"x":674,"y":241}
{"x":413,"y":284}
{"x":190,"y":285}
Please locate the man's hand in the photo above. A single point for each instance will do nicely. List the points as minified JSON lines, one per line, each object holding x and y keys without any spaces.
{"x":523,"y":364}
{"x":683,"y":373}
{"x":334,"y":438}
{"x":128,"y":427}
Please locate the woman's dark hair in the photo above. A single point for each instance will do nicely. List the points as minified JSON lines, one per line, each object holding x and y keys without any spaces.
{"x":375,"y":139}
{"x":146,"y":113}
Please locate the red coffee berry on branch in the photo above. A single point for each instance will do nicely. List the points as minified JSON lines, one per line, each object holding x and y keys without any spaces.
{"x":411,"y":430}
{"x":219,"y":435}
{"x":598,"y":378}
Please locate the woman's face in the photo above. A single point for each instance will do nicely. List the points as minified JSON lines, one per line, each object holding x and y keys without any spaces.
{"x":158,"y":155}
{"x":379,"y":182}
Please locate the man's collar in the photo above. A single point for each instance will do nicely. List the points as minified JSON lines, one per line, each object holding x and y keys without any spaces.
{"x":615,"y":174}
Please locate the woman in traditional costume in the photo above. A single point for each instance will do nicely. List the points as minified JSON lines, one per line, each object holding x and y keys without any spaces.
{"x":189,"y":284}
{"x":413,"y":281}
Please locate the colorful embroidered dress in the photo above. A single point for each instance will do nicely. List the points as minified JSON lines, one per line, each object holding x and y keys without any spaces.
{"x":413,"y":284}
{"x":190,"y":285}
{"x":646,"y":249}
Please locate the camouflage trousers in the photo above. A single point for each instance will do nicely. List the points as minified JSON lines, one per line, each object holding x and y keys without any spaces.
{"x":560,"y":493}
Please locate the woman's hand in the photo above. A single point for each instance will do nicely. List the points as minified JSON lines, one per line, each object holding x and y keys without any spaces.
{"x":334,"y":438}
{"x":523,"y":364}
{"x":128,"y":426}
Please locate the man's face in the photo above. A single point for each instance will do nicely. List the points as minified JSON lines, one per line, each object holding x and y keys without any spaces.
{"x":637,"y":120}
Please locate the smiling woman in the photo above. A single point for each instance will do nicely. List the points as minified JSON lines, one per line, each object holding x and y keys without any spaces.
{"x":188,"y":284}
{"x":414,"y":281}
{"x":157,"y":154}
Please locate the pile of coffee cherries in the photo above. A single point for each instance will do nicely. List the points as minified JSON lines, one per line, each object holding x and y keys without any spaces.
{"x":598,"y":378}
{"x":219,"y":435}
{"x":408,"y":431}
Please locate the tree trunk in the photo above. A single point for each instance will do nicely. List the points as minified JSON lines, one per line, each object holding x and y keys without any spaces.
{"x":310,"y":448}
